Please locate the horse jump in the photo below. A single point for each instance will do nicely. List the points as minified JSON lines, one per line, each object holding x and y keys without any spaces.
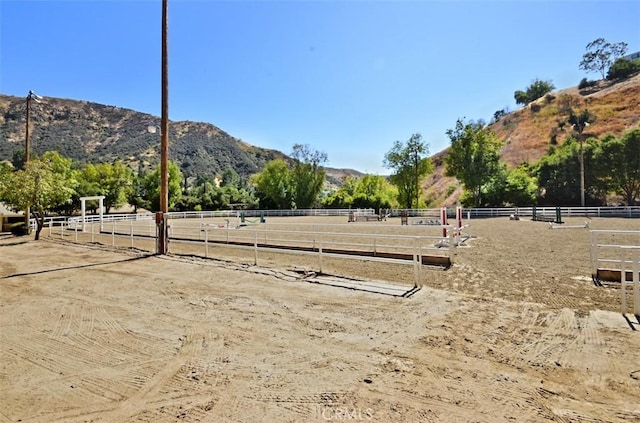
{"x":635,"y":278}
{"x":451,"y":233}
{"x":555,"y":226}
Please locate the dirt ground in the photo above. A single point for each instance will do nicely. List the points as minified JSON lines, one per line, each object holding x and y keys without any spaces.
{"x":514,"y":331}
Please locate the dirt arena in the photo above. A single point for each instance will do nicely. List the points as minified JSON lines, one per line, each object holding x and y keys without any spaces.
{"x":514,"y":331}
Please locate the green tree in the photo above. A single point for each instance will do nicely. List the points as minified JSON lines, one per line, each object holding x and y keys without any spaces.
{"x":618,"y":161}
{"x":274,"y":185}
{"x":88,"y":186}
{"x":5,"y":168}
{"x":521,"y":188}
{"x":209,"y":196}
{"x":18,"y":159}
{"x":623,"y":68}
{"x":342,"y":198}
{"x":151,"y":187}
{"x":135,"y":195}
{"x":113,"y":180}
{"x":231,"y":178}
{"x":537,"y":89}
{"x":600,"y":55}
{"x":368,"y":191}
{"x":202,"y":194}
{"x":521,"y":97}
{"x":558,"y":174}
{"x":578,"y":123}
{"x":473,"y":157}
{"x":516,"y":187}
{"x":45,"y":184}
{"x":374,"y":191}
{"x":308,"y":176}
{"x":410,"y":164}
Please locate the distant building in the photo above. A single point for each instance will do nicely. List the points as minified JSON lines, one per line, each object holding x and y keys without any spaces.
{"x":8,"y":218}
{"x":632,"y":56}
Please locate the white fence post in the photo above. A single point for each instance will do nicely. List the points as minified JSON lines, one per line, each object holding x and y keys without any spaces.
{"x":419,"y":282}
{"x":636,"y":283}
{"x":594,"y":252}
{"x":255,"y":248}
{"x":320,"y":252}
{"x":113,"y":233}
{"x":416,"y":263}
{"x":206,"y":243}
{"x":131,"y":232}
{"x":635,"y":277}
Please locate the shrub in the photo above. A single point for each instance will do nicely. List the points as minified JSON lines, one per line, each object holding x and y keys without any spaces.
{"x":498,"y":114}
{"x":585,"y":83}
{"x":20,"y":229}
{"x":623,"y":68}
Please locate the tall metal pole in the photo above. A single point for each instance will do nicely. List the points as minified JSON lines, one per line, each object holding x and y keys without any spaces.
{"x":164,"y":137}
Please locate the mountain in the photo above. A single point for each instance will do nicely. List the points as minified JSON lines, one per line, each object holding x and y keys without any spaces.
{"x":529,"y":131}
{"x":91,"y":132}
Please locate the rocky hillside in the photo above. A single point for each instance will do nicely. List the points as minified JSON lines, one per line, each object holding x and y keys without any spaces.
{"x":528,"y":132}
{"x":91,"y":132}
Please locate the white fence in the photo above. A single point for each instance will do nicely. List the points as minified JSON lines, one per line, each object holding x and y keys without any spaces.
{"x":615,"y":258}
{"x":344,"y":241}
{"x":626,"y":212}
{"x":318,"y":240}
{"x":635,"y":278}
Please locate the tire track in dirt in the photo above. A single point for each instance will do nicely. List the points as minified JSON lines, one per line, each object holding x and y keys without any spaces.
{"x":160,"y":384}
{"x":83,"y":340}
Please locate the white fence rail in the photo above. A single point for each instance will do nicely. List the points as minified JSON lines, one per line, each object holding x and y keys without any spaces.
{"x":626,"y":212}
{"x":606,"y":254}
{"x":634,"y":281}
{"x":319,"y":240}
{"x":342,"y":241}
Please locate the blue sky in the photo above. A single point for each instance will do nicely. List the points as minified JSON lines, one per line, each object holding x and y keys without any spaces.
{"x":346,"y":77}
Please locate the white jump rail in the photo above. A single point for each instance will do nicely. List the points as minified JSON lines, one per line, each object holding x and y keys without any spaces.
{"x":635,"y":278}
{"x":605,"y":256}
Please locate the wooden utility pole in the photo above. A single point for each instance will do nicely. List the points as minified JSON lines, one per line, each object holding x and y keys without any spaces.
{"x":27,"y":146}
{"x":161,"y":220}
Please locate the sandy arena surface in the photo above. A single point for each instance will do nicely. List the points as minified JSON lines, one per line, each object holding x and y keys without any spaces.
{"x":514,"y":331}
